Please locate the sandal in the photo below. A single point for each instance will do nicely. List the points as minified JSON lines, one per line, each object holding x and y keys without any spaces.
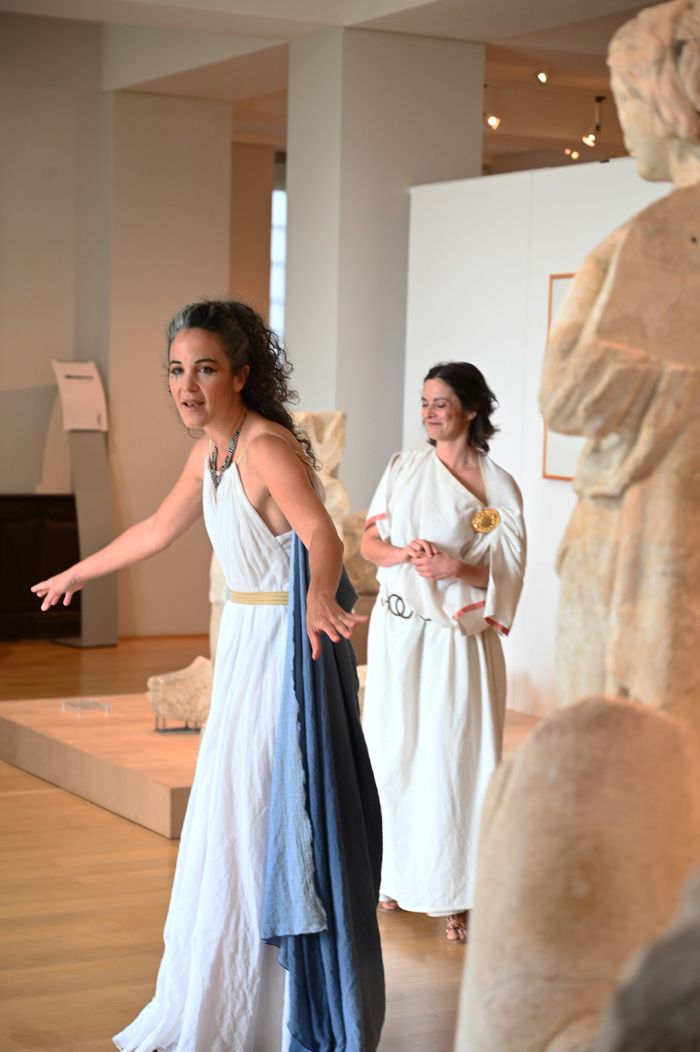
{"x":456,"y":927}
{"x":388,"y":905}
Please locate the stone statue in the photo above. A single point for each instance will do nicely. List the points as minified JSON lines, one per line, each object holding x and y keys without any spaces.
{"x":657,"y":1005}
{"x":182,"y":696}
{"x":592,"y":827}
{"x":327,"y":434}
{"x":362,"y":574}
{"x":623,"y":368}
{"x":589,"y":832}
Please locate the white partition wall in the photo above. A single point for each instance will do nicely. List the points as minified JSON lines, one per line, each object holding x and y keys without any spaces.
{"x":481,"y":252}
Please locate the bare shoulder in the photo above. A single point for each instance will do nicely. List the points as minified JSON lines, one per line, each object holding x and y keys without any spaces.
{"x":194,"y":465}
{"x":267,"y":440}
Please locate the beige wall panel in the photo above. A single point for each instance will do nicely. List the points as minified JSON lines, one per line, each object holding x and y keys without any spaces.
{"x":170,"y":246}
{"x":50,"y":259}
{"x":252,"y":183}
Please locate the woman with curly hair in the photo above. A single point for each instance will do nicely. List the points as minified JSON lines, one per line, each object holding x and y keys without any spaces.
{"x":446,"y":531}
{"x":220,"y":988}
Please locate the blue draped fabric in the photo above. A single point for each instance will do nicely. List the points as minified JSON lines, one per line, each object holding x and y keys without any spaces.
{"x":324,"y":843}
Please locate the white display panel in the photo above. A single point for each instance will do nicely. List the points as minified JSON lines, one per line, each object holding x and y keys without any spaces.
{"x":82,"y":396}
{"x":480,"y":258}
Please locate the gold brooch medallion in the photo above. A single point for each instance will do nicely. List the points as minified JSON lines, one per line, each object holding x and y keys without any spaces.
{"x":486,"y":520}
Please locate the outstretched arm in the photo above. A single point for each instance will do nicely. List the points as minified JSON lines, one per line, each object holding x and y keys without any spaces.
{"x":272,"y":459}
{"x":178,"y":511}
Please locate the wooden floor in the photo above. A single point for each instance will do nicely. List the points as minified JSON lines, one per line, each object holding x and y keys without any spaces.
{"x":83,"y":893}
{"x":39,"y":669}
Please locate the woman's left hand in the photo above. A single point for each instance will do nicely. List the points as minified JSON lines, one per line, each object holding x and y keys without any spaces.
{"x":437,"y":567}
{"x":324,"y":615}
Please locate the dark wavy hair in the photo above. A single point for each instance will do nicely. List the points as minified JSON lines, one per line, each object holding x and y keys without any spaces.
{"x":475,"y":395}
{"x":246,"y":340}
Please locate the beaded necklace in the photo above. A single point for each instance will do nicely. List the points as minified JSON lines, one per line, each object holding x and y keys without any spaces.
{"x":226,"y":462}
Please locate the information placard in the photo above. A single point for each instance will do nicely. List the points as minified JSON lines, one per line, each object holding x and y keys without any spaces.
{"x":82,"y":396}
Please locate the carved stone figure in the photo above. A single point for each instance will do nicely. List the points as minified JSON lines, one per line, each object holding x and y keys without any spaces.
{"x":327,"y":434}
{"x":182,"y":696}
{"x":362,"y":573}
{"x":589,"y":832}
{"x":657,"y":1005}
{"x":593,"y":826}
{"x":623,"y":369}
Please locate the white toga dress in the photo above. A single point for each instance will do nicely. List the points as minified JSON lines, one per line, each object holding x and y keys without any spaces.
{"x":435,"y":692}
{"x":220,"y":989}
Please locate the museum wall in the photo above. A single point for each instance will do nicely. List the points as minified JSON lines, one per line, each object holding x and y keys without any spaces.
{"x":481,"y":252}
{"x":252,"y":184}
{"x":115,"y":212}
{"x":111,"y":219}
{"x":170,"y":245}
{"x":52,"y":255}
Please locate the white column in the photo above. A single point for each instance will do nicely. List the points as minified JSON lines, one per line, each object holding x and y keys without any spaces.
{"x":370,"y":114}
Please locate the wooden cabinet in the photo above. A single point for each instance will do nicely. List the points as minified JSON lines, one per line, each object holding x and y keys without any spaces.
{"x":38,"y":537}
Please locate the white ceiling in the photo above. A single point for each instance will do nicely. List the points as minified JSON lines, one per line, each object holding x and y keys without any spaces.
{"x":487,"y":21}
{"x":567,"y":37}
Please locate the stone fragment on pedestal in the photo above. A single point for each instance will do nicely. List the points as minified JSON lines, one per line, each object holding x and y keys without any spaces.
{"x":182,"y":696}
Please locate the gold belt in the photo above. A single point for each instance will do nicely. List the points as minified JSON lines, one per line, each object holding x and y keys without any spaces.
{"x":259,"y":598}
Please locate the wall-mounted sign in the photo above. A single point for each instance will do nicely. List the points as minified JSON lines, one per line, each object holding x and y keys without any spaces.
{"x":82,"y":396}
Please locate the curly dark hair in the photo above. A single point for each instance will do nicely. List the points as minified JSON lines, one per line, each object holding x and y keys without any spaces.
{"x":474,"y":393}
{"x":246,"y":340}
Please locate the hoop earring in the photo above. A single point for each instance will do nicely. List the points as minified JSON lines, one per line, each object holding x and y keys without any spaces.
{"x":189,"y":431}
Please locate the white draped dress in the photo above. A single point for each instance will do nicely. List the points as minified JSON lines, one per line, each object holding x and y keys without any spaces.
{"x":435,"y":691}
{"x":219,"y":988}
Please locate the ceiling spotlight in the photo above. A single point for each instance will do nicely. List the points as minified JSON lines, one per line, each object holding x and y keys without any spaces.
{"x":490,"y":109}
{"x":590,"y":139}
{"x":543,"y":76}
{"x":574,"y":155}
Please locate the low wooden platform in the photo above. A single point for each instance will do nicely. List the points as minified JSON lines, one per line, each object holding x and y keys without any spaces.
{"x":112,"y":757}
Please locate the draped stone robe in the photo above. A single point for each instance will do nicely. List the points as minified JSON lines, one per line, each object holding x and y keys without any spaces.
{"x":623,"y":368}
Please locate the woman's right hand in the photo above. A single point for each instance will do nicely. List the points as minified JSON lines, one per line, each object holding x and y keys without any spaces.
{"x":420,"y":549}
{"x":323,"y":614}
{"x":64,"y":584}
